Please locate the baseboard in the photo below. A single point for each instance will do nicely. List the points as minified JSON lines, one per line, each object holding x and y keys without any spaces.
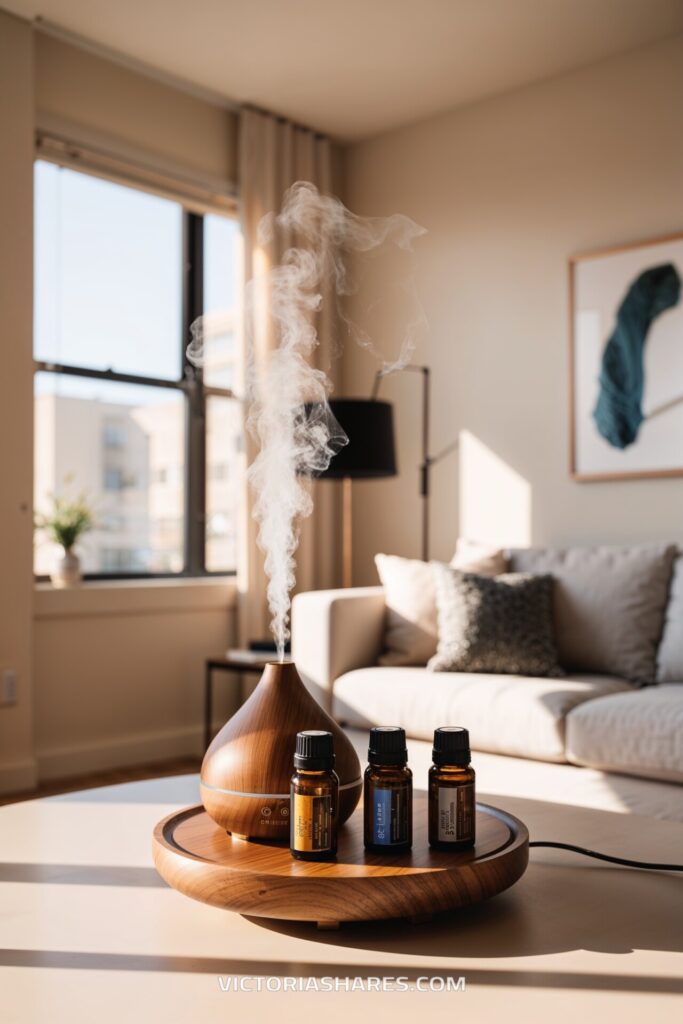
{"x":18,"y":776}
{"x":147,"y":748}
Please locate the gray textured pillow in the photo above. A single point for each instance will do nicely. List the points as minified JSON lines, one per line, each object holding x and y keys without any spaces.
{"x":609,"y":604}
{"x":500,"y":625}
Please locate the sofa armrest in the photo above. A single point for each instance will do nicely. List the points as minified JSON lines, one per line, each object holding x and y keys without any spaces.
{"x":334,"y":631}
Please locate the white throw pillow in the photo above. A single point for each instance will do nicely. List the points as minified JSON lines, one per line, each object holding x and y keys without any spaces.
{"x":480,"y":558}
{"x":411,"y":630}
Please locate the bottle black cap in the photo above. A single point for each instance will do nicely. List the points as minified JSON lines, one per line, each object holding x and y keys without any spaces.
{"x":314,"y":750}
{"x":451,"y":745}
{"x":388,"y":745}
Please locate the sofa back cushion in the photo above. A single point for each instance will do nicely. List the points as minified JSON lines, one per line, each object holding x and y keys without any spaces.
{"x":609,"y":605}
{"x":670,"y":654}
{"x":411,"y":615}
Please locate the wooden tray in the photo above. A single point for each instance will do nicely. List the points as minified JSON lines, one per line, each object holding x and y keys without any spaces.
{"x":195,"y":856}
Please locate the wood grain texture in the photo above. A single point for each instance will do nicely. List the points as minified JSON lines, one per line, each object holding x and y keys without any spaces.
{"x":251,"y":757}
{"x":202,"y":861}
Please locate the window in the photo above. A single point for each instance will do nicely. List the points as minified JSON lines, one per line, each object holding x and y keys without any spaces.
{"x":113,"y":478}
{"x":121,"y":416}
{"x":114,"y":434}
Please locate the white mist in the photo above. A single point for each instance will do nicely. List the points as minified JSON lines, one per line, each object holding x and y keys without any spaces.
{"x":287,"y":397}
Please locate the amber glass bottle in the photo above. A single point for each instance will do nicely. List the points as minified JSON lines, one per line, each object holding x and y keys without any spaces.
{"x":388,"y":793}
{"x":451,"y":791}
{"x":314,"y":798}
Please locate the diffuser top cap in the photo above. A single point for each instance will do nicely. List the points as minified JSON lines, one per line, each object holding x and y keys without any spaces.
{"x":451,"y":745}
{"x":387,"y":745}
{"x":314,"y":750}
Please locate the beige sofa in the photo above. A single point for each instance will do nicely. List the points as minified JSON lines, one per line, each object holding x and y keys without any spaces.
{"x":594,"y":720}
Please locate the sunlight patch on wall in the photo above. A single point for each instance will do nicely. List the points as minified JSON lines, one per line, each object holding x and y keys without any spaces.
{"x":494,"y":500}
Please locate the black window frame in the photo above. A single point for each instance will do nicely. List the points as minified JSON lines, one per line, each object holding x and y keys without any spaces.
{"x":196,"y":392}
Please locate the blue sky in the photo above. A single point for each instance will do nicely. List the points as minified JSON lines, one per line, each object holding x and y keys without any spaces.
{"x":108,"y":263}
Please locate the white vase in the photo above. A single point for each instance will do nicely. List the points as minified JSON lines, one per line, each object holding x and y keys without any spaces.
{"x":67,"y":571}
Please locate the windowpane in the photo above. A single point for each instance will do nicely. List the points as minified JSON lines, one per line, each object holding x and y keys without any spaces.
{"x":223,"y":466}
{"x":222,"y":260}
{"x":122,"y":446}
{"x":108,"y":275}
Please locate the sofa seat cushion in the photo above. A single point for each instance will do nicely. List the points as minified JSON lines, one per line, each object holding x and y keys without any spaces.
{"x":637,"y":733}
{"x":505,"y":714}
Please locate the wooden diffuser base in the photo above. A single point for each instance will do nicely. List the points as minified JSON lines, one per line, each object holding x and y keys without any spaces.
{"x":261,"y":879}
{"x":245,"y":776}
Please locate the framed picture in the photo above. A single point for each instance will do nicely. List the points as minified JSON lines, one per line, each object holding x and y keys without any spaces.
{"x":626,"y":361}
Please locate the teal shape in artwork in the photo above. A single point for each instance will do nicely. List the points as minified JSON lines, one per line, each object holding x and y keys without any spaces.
{"x":618,"y":413}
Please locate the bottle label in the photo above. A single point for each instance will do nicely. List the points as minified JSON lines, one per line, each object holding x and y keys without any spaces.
{"x":390,"y":816}
{"x":456,"y":813}
{"x":311,"y":826}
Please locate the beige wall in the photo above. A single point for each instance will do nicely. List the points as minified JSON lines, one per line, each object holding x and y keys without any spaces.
{"x":119,"y":672}
{"x":108,"y":675}
{"x":17,"y":766}
{"x":507,"y":189}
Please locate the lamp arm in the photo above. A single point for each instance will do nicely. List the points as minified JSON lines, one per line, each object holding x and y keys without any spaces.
{"x":427,"y":460}
{"x":381,"y":374}
{"x":452,"y":447}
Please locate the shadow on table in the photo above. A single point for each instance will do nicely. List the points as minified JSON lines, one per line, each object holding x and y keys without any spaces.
{"x":564,"y":902}
{"x":120,"y":875}
{"x":80,"y":960}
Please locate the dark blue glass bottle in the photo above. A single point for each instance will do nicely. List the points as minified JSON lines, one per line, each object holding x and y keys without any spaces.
{"x":388,"y":793}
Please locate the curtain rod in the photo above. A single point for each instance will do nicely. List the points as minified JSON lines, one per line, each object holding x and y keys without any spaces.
{"x":281,"y":119}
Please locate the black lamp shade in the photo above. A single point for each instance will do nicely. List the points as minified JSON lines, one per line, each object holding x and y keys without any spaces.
{"x":369,"y":426}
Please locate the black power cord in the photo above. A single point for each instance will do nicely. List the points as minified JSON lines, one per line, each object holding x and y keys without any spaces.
{"x":646,"y":865}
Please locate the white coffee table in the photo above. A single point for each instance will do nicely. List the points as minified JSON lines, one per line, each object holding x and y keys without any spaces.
{"x":89,"y":932}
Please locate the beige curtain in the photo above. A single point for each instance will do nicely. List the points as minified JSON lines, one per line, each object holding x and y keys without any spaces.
{"x":273,"y":154}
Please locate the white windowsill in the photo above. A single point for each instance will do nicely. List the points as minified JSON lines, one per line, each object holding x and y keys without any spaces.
{"x":133,"y":597}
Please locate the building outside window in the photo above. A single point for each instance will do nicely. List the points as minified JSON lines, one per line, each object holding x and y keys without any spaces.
{"x":114,"y":434}
{"x":120,"y":414}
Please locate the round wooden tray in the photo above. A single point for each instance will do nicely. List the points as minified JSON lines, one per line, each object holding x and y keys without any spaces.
{"x":194,"y":855}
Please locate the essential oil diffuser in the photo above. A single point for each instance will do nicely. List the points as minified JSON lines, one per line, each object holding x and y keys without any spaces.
{"x":245,"y":775}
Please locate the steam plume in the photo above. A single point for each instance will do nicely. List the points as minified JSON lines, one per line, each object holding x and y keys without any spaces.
{"x":288,"y":411}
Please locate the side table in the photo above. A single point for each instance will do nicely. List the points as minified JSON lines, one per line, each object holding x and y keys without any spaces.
{"x":224,"y":664}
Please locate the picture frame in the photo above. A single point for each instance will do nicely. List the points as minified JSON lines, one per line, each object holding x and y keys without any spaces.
{"x":626,"y":403}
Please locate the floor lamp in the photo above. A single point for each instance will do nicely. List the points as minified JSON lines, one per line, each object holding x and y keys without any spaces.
{"x":370,"y":455}
{"x":427,"y":460}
